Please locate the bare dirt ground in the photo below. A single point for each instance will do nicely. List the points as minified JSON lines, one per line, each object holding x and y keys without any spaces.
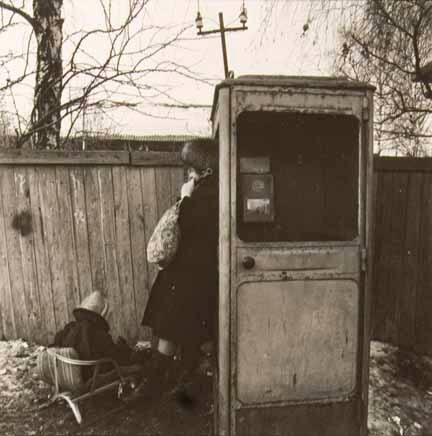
{"x":400,"y":401}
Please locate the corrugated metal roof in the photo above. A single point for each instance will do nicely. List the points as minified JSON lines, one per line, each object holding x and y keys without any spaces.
{"x":144,"y":138}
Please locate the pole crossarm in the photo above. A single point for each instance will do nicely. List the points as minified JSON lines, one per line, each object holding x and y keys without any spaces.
{"x":226,"y":29}
{"x":222,"y":30}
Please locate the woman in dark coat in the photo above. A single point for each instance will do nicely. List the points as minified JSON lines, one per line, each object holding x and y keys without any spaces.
{"x":182,"y":308}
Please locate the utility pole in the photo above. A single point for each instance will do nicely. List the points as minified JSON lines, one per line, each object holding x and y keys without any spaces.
{"x":222,"y":30}
{"x":224,"y":50}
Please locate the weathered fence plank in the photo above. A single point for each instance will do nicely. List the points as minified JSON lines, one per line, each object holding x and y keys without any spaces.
{"x":149,"y":192}
{"x":397,"y":239}
{"x":410,"y":272}
{"x":25,"y":237}
{"x":123,"y":249}
{"x":111,"y":287}
{"x":177,"y":179}
{"x":14,"y":254}
{"x":67,"y":241}
{"x":163,"y":184}
{"x":376,"y":223}
{"x":1,"y":318}
{"x":96,"y":242}
{"x":138,"y":243}
{"x":382,"y":259}
{"x":43,"y":266}
{"x":7,"y":304}
{"x":53,"y":233}
{"x":79,"y":214}
{"x":423,"y":304}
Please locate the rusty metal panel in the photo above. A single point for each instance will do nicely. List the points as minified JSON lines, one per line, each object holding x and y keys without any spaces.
{"x":316,"y":419}
{"x":299,"y":101}
{"x":335,"y":260}
{"x":288,"y":332}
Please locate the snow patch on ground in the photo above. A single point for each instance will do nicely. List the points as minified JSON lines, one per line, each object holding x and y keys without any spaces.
{"x":19,"y":386}
{"x":400,"y":391}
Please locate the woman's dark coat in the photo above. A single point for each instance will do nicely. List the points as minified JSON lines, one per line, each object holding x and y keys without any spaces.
{"x":182,"y":306}
{"x":89,"y":336}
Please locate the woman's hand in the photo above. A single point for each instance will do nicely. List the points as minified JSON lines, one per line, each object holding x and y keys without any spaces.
{"x":187,"y":188}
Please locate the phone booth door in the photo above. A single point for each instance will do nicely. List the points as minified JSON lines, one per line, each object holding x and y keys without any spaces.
{"x":293,"y":326}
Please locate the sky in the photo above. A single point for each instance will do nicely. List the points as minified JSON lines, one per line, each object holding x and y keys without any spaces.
{"x":278,"y":48}
{"x":273,"y":44}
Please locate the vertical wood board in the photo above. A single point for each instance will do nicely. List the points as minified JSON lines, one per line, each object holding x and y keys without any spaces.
{"x":67,"y":241}
{"x":13,"y":237}
{"x":124,"y":258}
{"x":80,"y":230}
{"x":397,"y":249}
{"x":8,"y":316}
{"x":163,"y":193}
{"x":383,"y":270}
{"x":108,"y":254}
{"x":26,"y":239}
{"x":423,"y":303}
{"x":43,"y":264}
{"x":138,"y":244}
{"x":54,"y":233}
{"x":149,"y":193}
{"x":411,"y":262}
{"x":93,"y":205}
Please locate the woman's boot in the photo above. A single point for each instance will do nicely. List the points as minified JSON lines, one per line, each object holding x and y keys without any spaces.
{"x":186,"y":392}
{"x":155,"y":378}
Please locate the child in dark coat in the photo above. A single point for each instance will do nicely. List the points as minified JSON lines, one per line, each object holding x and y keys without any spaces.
{"x":89,"y":335}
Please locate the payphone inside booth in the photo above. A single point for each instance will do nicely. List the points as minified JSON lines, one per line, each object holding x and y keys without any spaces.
{"x":295,"y":205}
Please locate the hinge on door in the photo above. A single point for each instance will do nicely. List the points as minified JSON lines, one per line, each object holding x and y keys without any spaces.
{"x":363,"y":259}
{"x":238,"y":404}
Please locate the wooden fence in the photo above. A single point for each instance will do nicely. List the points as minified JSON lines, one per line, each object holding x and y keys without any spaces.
{"x":402,"y":290}
{"x":71,"y":223}
{"x":75,"y":222}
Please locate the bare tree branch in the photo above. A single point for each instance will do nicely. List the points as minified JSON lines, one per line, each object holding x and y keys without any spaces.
{"x":118,"y":75}
{"x":19,"y":12}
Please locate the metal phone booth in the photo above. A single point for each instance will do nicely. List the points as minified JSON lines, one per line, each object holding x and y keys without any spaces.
{"x":295,"y":240}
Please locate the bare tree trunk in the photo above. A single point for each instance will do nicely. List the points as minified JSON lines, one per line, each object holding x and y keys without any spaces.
{"x":46,"y":119}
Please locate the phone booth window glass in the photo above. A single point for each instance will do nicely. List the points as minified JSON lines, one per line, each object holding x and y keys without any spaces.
{"x":298,"y":177}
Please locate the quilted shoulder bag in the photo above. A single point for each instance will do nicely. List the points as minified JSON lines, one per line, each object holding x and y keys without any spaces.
{"x":163,"y":244}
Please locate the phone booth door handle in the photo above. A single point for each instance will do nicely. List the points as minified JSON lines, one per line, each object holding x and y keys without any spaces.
{"x":248,"y":262}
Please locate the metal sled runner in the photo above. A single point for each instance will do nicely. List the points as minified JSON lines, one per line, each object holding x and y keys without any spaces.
{"x":62,"y":368}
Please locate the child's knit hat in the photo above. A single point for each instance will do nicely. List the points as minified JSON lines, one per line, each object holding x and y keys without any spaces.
{"x":95,"y":302}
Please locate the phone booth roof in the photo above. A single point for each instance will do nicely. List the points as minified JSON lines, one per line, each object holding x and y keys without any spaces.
{"x":322,"y":82}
